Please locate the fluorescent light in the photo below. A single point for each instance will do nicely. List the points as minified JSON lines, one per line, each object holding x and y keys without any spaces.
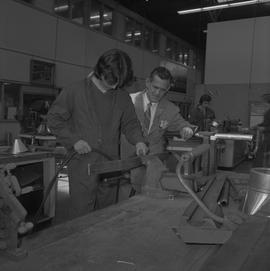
{"x":98,"y":16}
{"x":223,"y":6}
{"x":214,"y":7}
{"x":61,"y":8}
{"x":181,"y":12}
{"x":222,"y":1}
{"x":137,"y":33}
{"x":97,"y":25}
{"x":238,"y":4}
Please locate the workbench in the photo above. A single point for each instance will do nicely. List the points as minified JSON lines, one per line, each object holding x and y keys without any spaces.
{"x":137,"y":234}
{"x":140,"y":234}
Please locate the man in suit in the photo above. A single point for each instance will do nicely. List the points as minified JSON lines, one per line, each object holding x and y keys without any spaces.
{"x":157,"y":115}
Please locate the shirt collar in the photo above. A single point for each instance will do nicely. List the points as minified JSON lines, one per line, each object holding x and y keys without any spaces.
{"x":146,"y":101}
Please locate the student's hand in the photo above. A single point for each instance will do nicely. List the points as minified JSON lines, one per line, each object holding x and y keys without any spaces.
{"x":186,"y":133}
{"x":141,"y":148}
{"x":82,"y":147}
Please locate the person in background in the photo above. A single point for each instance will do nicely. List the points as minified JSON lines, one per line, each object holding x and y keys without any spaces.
{"x":203,"y":115}
{"x":157,"y":115}
{"x":262,"y":158}
{"x":89,"y":115}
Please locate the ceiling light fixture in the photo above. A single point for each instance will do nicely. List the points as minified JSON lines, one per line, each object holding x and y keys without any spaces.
{"x":228,"y":5}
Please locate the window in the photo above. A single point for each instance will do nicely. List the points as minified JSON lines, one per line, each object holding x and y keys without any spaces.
{"x":137,"y":34}
{"x":107,"y":20}
{"x":186,"y":57}
{"x":183,"y":55}
{"x":133,"y":32}
{"x":77,"y":11}
{"x":169,"y":48}
{"x":192,"y":58}
{"x":147,"y":38}
{"x":180,"y":55}
{"x":42,"y":73}
{"x":95,"y":15}
{"x":151,"y":40}
{"x":128,"y":30}
{"x":155,"y":48}
{"x":62,"y":8}
{"x":174,"y":50}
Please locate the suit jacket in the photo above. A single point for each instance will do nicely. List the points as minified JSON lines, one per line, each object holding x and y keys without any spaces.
{"x":167,"y":118}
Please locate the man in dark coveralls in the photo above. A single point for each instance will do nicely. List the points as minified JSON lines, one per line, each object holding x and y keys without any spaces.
{"x":92,"y":113}
{"x":202,"y":115}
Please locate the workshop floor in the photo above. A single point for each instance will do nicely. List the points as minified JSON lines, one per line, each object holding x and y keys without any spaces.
{"x":62,"y":200}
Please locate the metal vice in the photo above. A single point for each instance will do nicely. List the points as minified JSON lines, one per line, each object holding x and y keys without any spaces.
{"x":12,"y":214}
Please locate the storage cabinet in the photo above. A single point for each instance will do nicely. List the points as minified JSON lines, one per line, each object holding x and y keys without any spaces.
{"x":34,"y":172}
{"x":235,"y":152}
{"x":10,"y":101}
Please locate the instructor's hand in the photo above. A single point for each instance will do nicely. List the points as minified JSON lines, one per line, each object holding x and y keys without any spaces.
{"x":186,"y":133}
{"x":82,"y":147}
{"x":141,"y":148}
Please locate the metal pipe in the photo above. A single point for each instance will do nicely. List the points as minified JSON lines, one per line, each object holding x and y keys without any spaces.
{"x":195,"y":197}
{"x":224,"y":195}
{"x":246,"y":137}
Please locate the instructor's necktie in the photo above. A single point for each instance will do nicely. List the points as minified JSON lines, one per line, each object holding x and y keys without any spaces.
{"x":147,"y":116}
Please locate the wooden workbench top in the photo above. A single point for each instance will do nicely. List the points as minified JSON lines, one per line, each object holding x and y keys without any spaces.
{"x":134,"y":235}
{"x":25,"y":156}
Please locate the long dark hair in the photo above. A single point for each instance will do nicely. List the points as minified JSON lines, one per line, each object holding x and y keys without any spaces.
{"x":116,"y":67}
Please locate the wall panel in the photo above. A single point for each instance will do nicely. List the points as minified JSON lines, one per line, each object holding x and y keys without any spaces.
{"x":3,"y":22}
{"x":261,"y":51}
{"x":14,"y":66}
{"x":228,"y":52}
{"x":29,"y":30}
{"x":71,"y":42}
{"x":136,"y":55}
{"x":150,"y":61}
{"x":67,"y":74}
{"x":96,"y":45}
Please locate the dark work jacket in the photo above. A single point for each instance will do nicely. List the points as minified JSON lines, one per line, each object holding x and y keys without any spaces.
{"x":72,"y":117}
{"x":201,"y":119}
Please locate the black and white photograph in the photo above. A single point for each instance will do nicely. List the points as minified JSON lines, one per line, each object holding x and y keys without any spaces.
{"x":134,"y":135}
